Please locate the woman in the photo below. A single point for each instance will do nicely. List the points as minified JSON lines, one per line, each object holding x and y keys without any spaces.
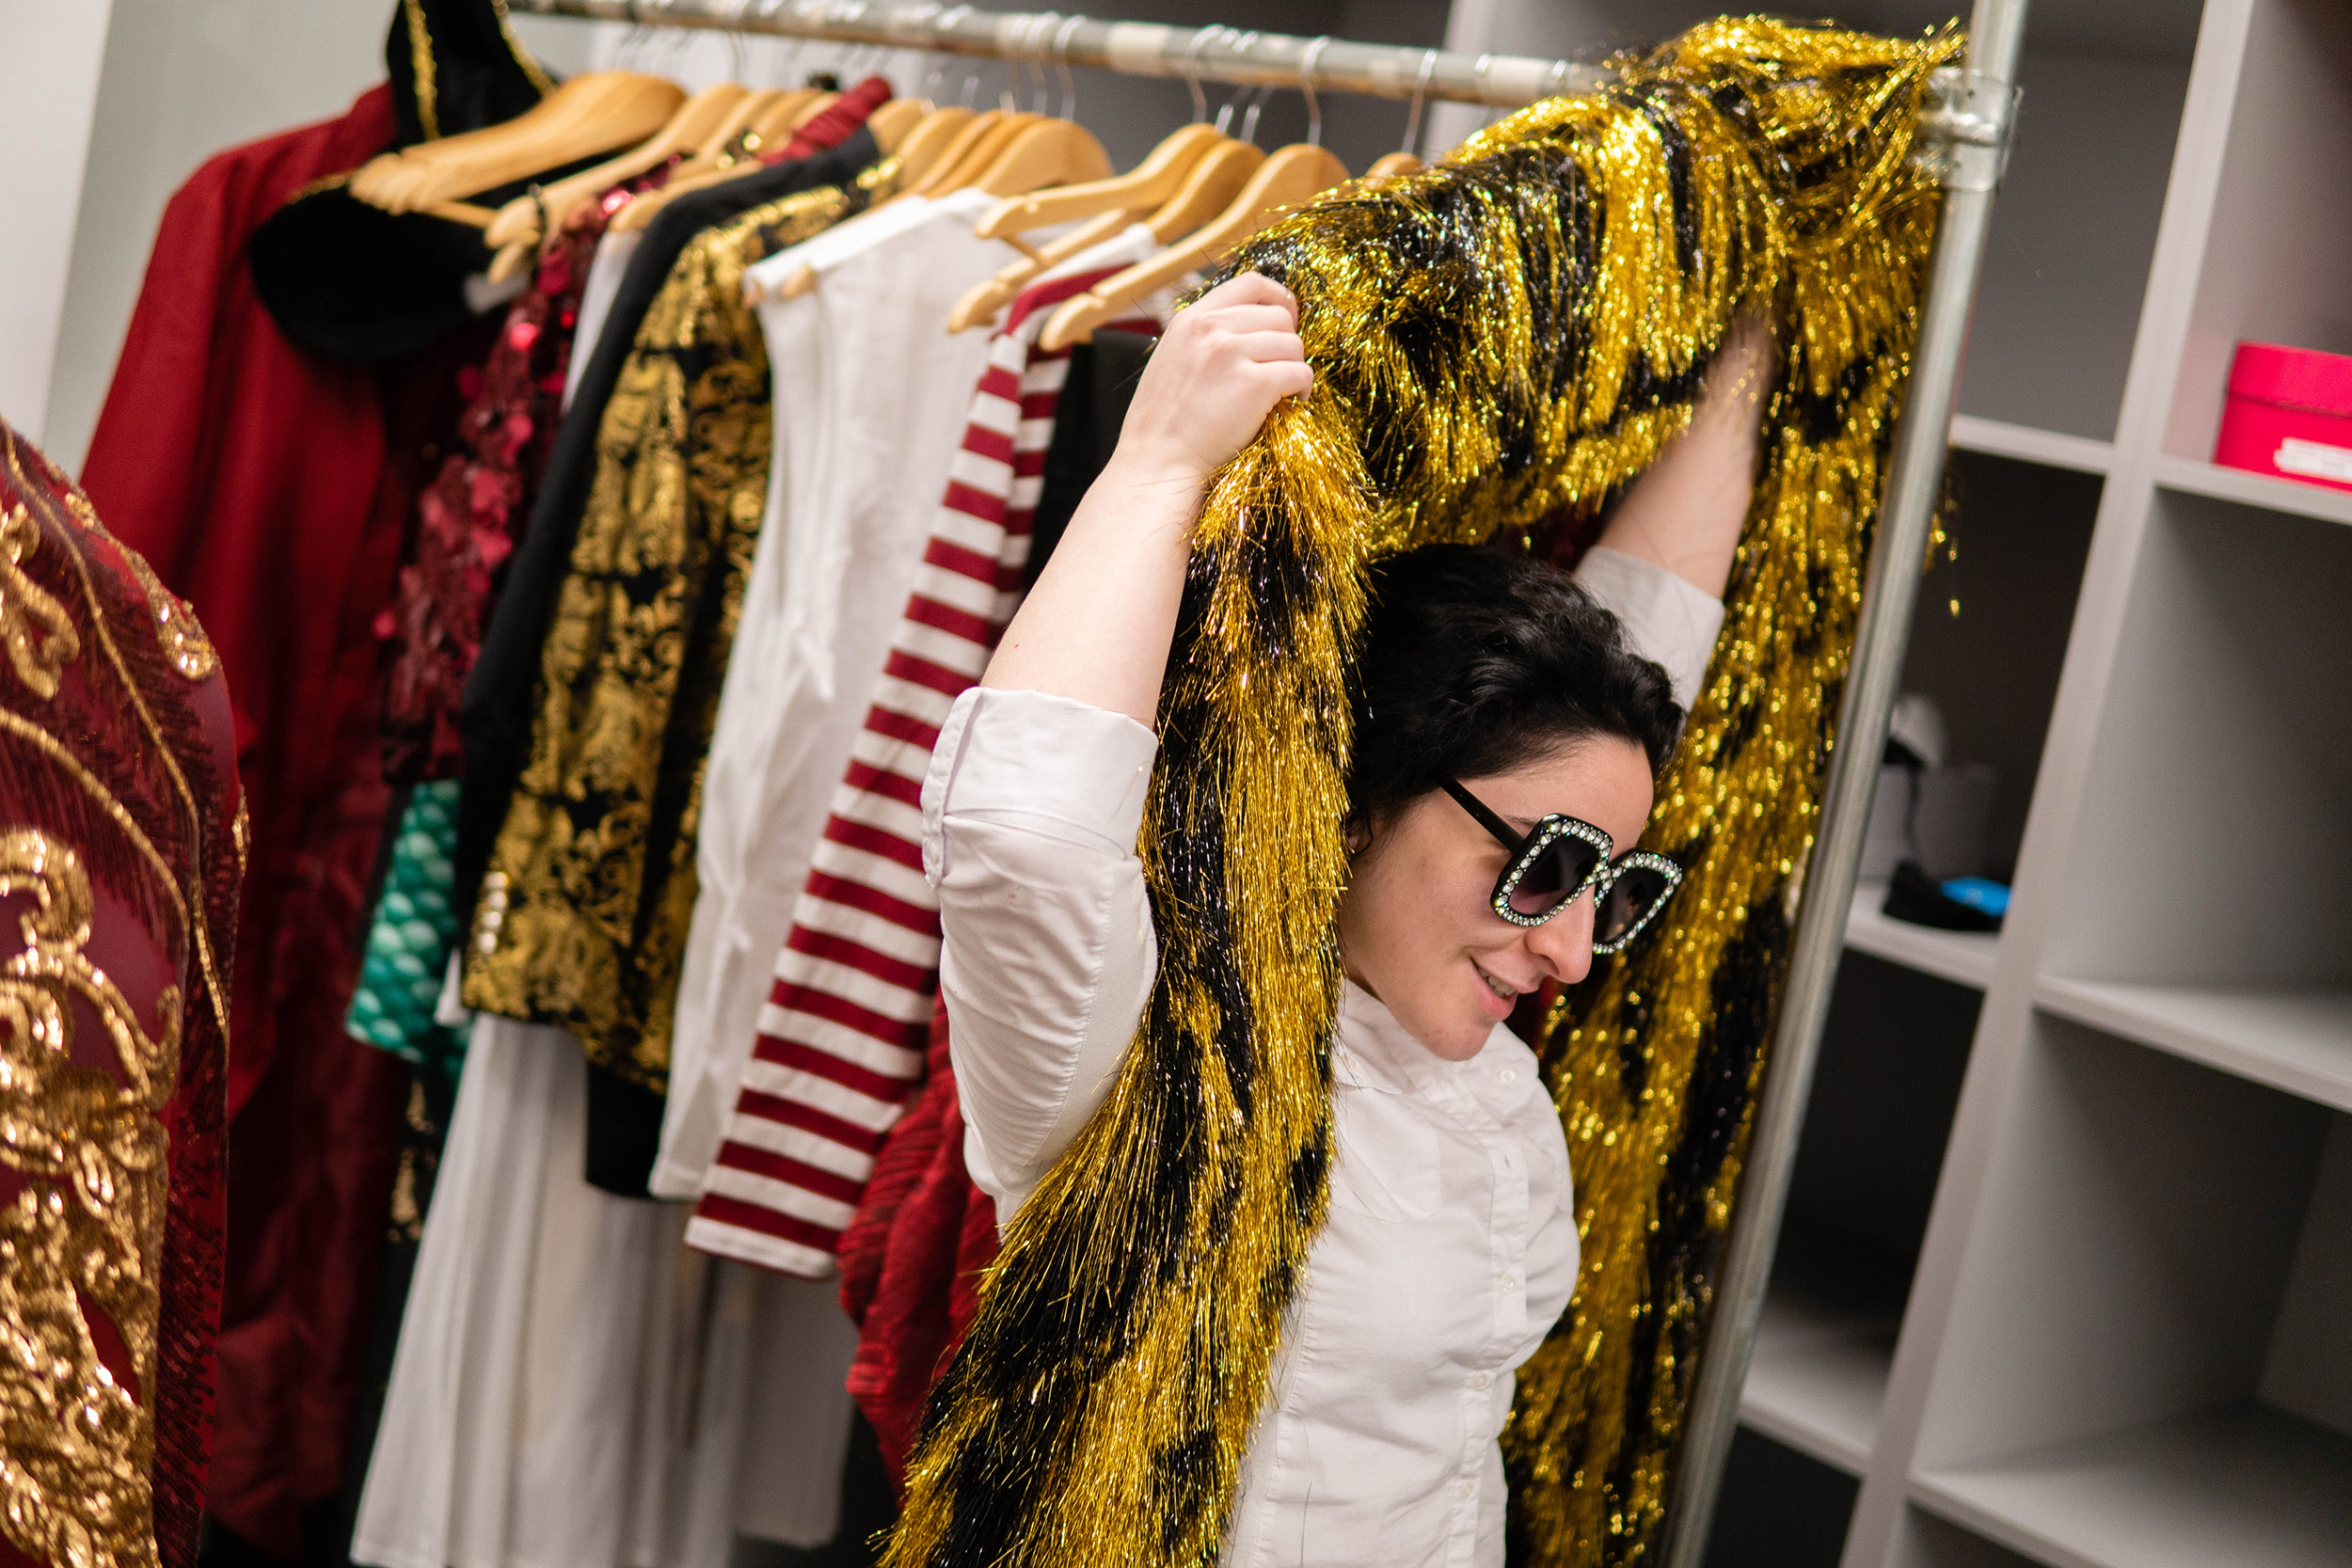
{"x":1507,"y":735}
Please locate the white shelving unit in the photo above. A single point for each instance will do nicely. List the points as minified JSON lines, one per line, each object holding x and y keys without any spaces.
{"x":2067,"y":1274}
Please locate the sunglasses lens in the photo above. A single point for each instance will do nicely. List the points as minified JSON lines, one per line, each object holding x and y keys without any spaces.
{"x":1558,"y":870}
{"x":1637,"y":891}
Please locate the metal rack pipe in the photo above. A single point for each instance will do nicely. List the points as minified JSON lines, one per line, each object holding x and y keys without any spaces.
{"x":1218,"y":54}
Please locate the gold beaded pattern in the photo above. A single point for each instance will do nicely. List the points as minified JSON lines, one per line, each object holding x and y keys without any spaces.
{"x":75,"y":1443}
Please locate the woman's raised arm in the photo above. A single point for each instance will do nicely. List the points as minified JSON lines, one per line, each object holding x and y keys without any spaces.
{"x":1096,"y":628}
{"x":1684,"y":512}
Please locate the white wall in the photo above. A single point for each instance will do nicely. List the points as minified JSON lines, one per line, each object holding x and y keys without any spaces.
{"x":49,"y":75}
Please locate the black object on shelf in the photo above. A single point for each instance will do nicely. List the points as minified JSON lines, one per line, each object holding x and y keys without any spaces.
{"x":1954,"y":904}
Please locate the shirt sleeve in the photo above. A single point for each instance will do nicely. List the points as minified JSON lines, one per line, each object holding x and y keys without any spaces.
{"x":1671,"y":622}
{"x":1031,"y":811}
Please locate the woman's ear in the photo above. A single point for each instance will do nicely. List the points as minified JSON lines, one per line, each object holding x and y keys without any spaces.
{"x":1359,"y":836}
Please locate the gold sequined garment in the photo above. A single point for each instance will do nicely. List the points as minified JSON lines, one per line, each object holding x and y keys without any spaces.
{"x":1500,"y":343}
{"x":121,"y":854}
{"x":583,"y":912}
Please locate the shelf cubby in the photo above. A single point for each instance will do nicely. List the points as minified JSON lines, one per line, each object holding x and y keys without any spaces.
{"x":2297,"y":1040}
{"x":1987,"y":638}
{"x":2245,"y":1485}
{"x":2143,"y":1363}
{"x":1929,"y":1541}
{"x":1778,"y":1508}
{"x":2058,"y":301}
{"x":2271,"y":266}
{"x":1881,"y":1106}
{"x":1964,"y":957}
{"x":2216,"y":844}
{"x":1817,"y":1377}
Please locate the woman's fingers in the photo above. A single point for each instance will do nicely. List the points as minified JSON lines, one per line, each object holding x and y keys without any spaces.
{"x":1249,"y":287}
{"x":1262,"y":346}
{"x":1251,"y":318}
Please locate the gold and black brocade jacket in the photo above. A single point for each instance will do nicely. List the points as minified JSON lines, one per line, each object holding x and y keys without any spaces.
{"x":121,"y":853}
{"x":582,"y":916}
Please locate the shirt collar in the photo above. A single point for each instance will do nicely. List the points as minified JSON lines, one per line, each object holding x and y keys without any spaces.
{"x":1375,"y":1050}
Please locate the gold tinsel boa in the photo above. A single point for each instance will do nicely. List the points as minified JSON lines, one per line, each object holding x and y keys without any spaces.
{"x":1500,"y":343}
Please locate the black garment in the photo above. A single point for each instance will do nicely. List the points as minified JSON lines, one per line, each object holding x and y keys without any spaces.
{"x":501,"y":691}
{"x":1093,"y":408}
{"x":482,"y":75}
{"x":354,"y":282}
{"x":624,"y":1133}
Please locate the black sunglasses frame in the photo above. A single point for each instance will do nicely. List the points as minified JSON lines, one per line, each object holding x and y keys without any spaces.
{"x":1529,"y":847}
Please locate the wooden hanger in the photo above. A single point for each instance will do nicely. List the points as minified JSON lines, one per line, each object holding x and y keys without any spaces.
{"x":694,"y":124}
{"x":895,"y":121}
{"x":1148,"y":184}
{"x":1392,"y":165}
{"x":1290,"y":177}
{"x":975,"y":151}
{"x":1214,"y":184}
{"x":931,"y":141}
{"x":980,"y":302}
{"x":724,"y":154}
{"x":774,"y":126}
{"x":1215,"y":179}
{"x":1050,"y":152}
{"x":586,"y":114}
{"x":1043,"y":151}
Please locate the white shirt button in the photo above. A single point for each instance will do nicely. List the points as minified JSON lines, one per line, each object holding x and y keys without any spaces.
{"x":1510,"y":1075}
{"x":1468,"y":1489}
{"x":1480,"y":1380}
{"x":1505,"y":1283}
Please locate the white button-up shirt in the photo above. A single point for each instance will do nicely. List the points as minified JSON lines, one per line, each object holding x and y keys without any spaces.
{"x":1451,"y":1247}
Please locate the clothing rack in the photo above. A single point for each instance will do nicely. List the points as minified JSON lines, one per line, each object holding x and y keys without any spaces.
{"x":1964,"y":135}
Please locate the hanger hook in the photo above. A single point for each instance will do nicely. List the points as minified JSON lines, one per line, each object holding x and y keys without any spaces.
{"x":1307,"y":58}
{"x":1238,"y":42}
{"x":1201,"y":39}
{"x":1421,"y":96}
{"x":1258,"y":99}
{"x":1008,"y":99}
{"x":1486,"y":63}
{"x":1038,"y":37}
{"x":1061,"y":64}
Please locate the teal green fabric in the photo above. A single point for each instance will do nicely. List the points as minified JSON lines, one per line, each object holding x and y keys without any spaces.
{"x":410,"y":940}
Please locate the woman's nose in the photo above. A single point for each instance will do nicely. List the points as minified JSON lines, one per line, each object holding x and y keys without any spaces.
{"x":1563,"y":943}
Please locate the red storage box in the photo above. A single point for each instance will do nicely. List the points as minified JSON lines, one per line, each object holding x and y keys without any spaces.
{"x":2289,"y":413}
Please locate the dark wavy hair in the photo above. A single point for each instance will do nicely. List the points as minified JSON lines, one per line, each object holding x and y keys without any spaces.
{"x":1480,"y":657}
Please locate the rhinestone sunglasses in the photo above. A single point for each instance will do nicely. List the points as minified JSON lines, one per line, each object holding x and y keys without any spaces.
{"x":1551,"y":866}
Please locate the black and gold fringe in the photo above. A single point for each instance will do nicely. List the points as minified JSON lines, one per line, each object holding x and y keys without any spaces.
{"x":1501,"y":341}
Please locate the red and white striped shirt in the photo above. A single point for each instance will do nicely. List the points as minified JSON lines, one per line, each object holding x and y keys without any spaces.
{"x":841,"y":1039}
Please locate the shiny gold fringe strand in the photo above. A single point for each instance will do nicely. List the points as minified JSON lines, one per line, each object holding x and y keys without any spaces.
{"x":1505,"y":338}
